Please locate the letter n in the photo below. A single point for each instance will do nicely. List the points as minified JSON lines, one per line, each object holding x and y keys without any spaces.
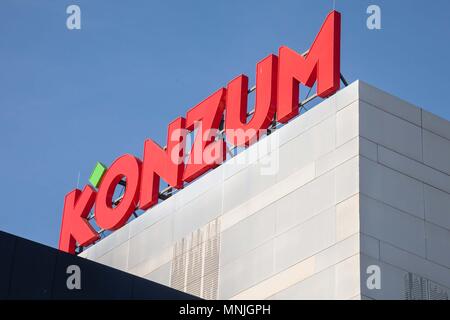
{"x":166,"y":164}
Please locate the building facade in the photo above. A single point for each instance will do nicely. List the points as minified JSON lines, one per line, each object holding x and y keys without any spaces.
{"x":350,"y":200}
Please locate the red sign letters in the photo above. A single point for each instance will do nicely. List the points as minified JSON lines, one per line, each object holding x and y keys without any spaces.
{"x":277,"y":96}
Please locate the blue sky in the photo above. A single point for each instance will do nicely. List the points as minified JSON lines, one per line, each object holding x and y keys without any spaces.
{"x":71,"y":98}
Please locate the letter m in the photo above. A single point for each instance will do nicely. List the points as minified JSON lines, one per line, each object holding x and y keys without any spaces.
{"x":321,"y":64}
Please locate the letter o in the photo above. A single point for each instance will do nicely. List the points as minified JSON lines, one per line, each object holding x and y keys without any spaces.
{"x":106,"y":216}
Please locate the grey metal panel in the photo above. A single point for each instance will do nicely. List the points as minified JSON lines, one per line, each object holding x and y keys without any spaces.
{"x":438,"y":244}
{"x":388,"y":130}
{"x":198,"y":212}
{"x":179,"y":264}
{"x":199,"y":187}
{"x":319,"y":286}
{"x":437,"y":206}
{"x":195,"y":264}
{"x":389,"y":103}
{"x":247,"y":234}
{"x":246,"y":271}
{"x":413,"y":263}
{"x":436,"y":151}
{"x":161,"y":275}
{"x":151,"y":240}
{"x":308,"y":146}
{"x":152,"y":216}
{"x":391,"y":187}
{"x":393,"y":226}
{"x":114,"y":240}
{"x":305,"y":202}
{"x":117,"y":257}
{"x":211,"y":261}
{"x":236,"y":190}
{"x":305,"y":240}
{"x":435,"y":124}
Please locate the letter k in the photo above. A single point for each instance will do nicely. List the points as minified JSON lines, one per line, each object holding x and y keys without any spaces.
{"x":75,"y":226}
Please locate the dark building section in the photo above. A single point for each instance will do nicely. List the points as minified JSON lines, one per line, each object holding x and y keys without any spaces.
{"x":29,"y":270}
